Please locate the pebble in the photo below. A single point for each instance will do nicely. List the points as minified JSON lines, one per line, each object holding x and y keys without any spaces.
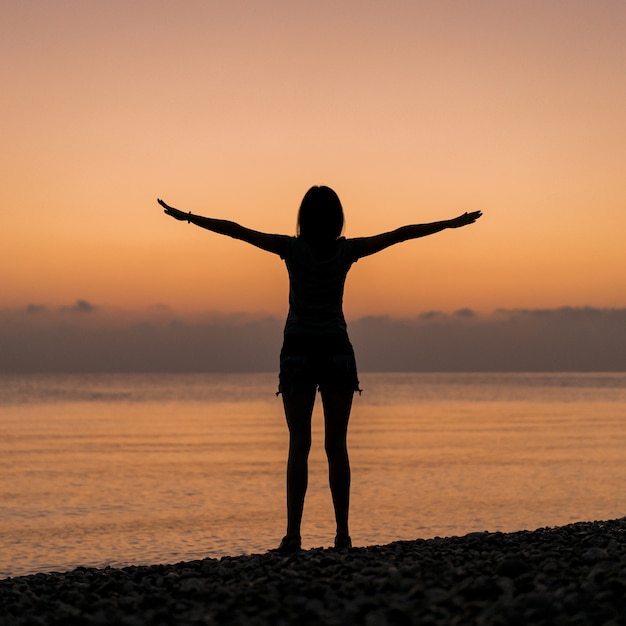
{"x":571,"y":575}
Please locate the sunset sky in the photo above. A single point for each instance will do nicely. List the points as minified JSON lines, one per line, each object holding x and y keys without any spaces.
{"x":412,"y":111}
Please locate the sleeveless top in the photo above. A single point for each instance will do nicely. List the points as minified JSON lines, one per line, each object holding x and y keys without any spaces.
{"x":316,"y":285}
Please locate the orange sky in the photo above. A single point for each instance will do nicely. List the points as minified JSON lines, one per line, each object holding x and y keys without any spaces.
{"x":413,"y":111}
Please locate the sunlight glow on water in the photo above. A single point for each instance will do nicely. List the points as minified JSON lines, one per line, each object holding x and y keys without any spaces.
{"x":122,"y":469}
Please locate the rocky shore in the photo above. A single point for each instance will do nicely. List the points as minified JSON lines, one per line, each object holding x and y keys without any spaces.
{"x":571,"y":575}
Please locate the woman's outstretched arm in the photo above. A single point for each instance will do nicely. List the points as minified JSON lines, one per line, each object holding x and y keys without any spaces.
{"x":376,"y":243}
{"x":265,"y":241}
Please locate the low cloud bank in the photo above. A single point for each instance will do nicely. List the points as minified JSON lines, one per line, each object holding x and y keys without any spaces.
{"x":87,"y":338}
{"x":565,"y":339}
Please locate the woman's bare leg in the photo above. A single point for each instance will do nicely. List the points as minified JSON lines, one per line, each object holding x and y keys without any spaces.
{"x":298,"y":411}
{"x":337,"y":408}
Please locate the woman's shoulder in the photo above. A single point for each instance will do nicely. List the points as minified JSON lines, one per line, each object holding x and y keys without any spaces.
{"x":352,"y":248}
{"x":286,"y":245}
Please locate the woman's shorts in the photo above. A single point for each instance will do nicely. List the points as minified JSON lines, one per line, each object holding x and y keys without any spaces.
{"x":309,"y":362}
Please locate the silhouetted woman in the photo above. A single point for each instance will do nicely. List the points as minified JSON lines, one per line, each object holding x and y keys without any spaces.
{"x":316,"y":352}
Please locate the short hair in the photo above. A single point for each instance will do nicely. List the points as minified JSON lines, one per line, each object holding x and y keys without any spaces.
{"x":320,"y":218}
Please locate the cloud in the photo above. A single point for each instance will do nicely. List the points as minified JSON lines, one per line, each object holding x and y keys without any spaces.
{"x":34,"y":309}
{"x":430,"y":315}
{"x":81,"y":306}
{"x":465,"y":313}
{"x":38,"y":338}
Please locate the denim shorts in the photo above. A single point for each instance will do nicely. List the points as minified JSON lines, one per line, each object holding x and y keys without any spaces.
{"x":309,"y":362}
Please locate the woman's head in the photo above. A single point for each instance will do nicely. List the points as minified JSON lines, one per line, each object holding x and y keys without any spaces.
{"x":320,"y":218}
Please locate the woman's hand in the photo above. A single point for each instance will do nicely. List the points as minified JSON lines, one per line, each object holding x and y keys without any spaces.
{"x":172,"y":212}
{"x":465,"y":219}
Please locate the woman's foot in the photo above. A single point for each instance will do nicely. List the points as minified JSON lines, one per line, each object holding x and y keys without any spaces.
{"x":290,"y":544}
{"x":343,"y":542}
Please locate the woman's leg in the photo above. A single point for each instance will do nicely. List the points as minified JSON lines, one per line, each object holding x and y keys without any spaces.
{"x":298,"y":411}
{"x":336,"y":415}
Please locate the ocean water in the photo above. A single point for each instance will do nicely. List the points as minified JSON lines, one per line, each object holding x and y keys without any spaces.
{"x":123,"y":469}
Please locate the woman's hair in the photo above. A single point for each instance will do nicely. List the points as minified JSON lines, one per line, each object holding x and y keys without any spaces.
{"x":320,"y":218}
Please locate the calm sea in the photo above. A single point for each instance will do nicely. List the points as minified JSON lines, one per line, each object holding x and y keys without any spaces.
{"x":100,"y":470}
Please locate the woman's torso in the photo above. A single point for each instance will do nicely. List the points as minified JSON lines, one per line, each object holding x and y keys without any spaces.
{"x":317,"y":277}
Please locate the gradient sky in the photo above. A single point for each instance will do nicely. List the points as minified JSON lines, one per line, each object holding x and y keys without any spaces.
{"x":413,"y":111}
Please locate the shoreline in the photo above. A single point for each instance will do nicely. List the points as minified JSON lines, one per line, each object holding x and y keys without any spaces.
{"x":574,"y":574}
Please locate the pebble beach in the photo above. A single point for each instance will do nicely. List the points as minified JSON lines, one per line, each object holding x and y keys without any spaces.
{"x":569,"y":575}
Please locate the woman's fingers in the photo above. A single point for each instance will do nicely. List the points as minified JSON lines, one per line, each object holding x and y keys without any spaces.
{"x":171,"y":211}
